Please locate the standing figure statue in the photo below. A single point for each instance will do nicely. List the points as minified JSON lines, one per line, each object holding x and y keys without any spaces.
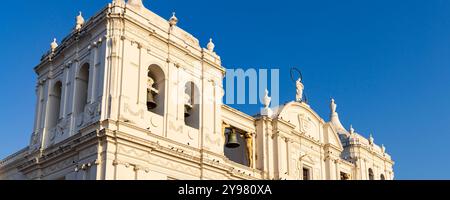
{"x":371,"y":139}
{"x":249,"y":148}
{"x":300,"y":87}
{"x":333,"y":106}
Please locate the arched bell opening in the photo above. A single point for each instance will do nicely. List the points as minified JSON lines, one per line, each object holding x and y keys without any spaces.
{"x":191,"y":105}
{"x":371,"y":175}
{"x":82,"y":85}
{"x":238,"y":146}
{"x":155,"y":90}
{"x":54,"y":105}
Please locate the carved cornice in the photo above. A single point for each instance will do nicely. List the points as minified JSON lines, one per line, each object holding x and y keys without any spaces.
{"x":332,"y":146}
{"x":383,"y":157}
{"x":73,"y":38}
{"x":15,"y":158}
{"x":199,"y":55}
{"x":65,"y":148}
{"x":180,"y":151}
{"x":237,"y":112}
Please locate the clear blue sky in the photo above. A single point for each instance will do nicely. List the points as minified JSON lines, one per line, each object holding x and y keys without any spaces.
{"x":387,"y":63}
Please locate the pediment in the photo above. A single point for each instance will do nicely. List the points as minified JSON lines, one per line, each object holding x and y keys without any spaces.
{"x":304,"y":119}
{"x":331,"y":136}
{"x":307,"y":158}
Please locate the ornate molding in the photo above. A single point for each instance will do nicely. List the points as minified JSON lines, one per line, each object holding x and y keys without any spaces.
{"x":216,"y":142}
{"x":139,"y":113}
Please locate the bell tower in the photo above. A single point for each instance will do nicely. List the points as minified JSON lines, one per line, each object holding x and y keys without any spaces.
{"x":161,"y":80}
{"x":69,"y":88}
{"x":129,"y":95}
{"x":129,"y":75}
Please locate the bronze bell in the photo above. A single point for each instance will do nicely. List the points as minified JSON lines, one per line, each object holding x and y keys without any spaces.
{"x":151,"y":103}
{"x":187,"y":109}
{"x":232,"y":140}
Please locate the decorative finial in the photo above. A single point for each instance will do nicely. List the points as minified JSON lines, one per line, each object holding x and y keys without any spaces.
{"x":136,"y":3}
{"x":80,"y":22}
{"x":333,"y":106}
{"x":118,"y":2}
{"x":53,"y":45}
{"x":267,"y":99}
{"x":371,"y":139}
{"x":210,"y":45}
{"x":266,"y":102}
{"x":173,"y":20}
{"x":352,"y":130}
{"x":383,"y":148}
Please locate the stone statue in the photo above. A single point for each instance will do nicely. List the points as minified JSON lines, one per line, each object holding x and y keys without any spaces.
{"x":300,"y":87}
{"x":352,"y":130}
{"x":333,"y":106}
{"x":249,"y":148}
{"x":371,"y":140}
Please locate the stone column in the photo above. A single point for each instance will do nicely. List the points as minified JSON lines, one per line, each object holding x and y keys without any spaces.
{"x":338,"y":173}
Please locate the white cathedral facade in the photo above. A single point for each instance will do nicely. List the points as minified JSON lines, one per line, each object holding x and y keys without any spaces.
{"x":129,"y":95}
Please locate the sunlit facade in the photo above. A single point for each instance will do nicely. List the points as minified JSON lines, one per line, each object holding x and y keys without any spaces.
{"x":129,"y":95}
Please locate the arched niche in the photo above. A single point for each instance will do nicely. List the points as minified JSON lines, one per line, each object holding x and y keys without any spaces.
{"x":54,"y":104}
{"x":236,"y":154}
{"x":191,"y":105}
{"x":371,"y":175}
{"x":81,"y":89}
{"x":156,"y":89}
